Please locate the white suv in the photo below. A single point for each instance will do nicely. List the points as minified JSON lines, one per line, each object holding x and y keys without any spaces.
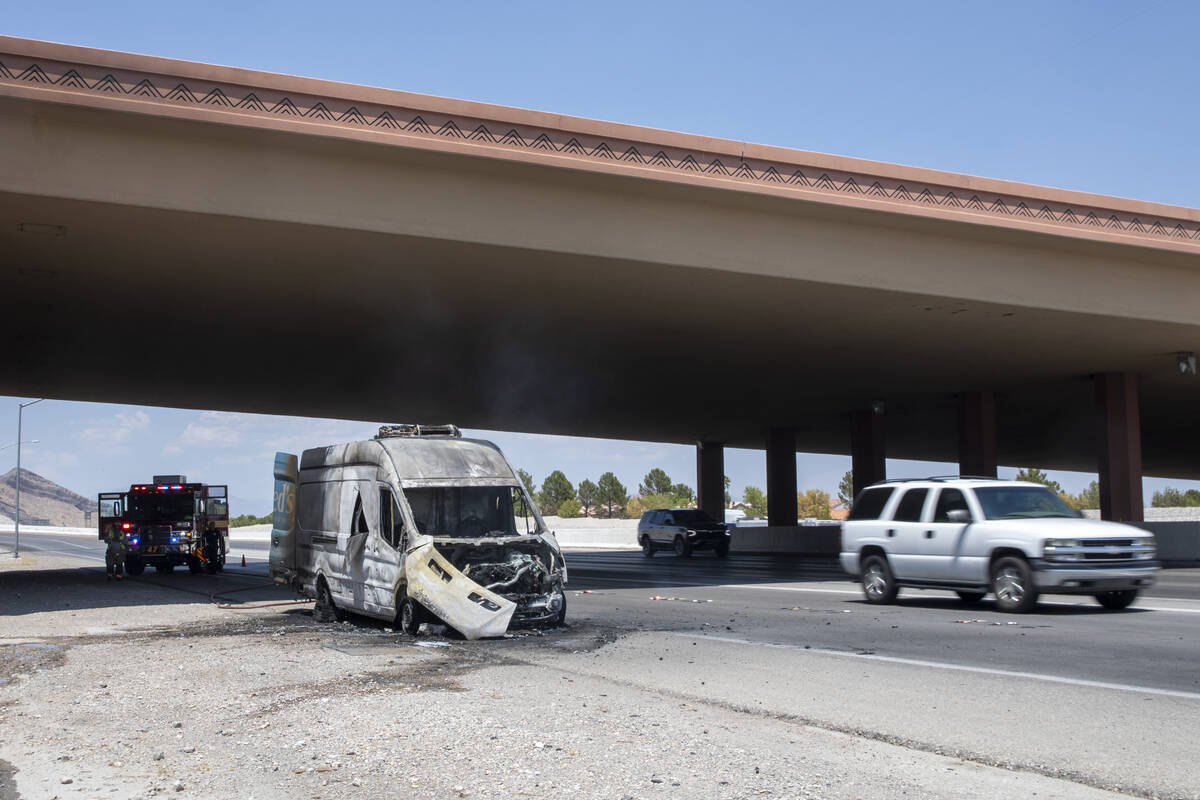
{"x":975,"y":535}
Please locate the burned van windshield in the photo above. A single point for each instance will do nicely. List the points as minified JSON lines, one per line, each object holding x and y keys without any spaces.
{"x":469,"y":512}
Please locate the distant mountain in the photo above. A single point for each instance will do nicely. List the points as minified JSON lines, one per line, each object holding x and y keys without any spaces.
{"x":43,"y":502}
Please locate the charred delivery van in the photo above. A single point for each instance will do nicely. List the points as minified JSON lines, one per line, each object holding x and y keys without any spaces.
{"x":416,"y":524}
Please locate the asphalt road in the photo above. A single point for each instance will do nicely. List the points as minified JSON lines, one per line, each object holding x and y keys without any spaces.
{"x":1102,"y":699}
{"x":811,"y":603}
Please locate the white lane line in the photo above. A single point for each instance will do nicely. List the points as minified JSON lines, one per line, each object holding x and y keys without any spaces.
{"x":90,"y":555}
{"x":858,"y":593}
{"x":1061,"y":603}
{"x":918,"y":662}
{"x":75,"y":545}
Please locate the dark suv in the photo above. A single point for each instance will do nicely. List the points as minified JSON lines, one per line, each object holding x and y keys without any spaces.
{"x":683,"y":530}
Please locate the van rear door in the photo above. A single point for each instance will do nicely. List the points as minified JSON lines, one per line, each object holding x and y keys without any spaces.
{"x":283,"y":518}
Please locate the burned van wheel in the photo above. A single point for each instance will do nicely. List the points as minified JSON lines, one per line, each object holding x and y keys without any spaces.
{"x":409,"y":617}
{"x":682,"y":548}
{"x":970,"y":597}
{"x":1116,"y":600}
{"x":560,"y":614}
{"x":647,"y":548}
{"x":325,"y":610}
{"x":134,"y":565}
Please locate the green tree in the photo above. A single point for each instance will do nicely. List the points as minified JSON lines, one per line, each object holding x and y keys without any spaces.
{"x":527,"y":482}
{"x":1169,"y":497}
{"x":657,"y":501}
{"x":634,"y":508}
{"x":755,"y":500}
{"x":587,"y":495}
{"x":728,"y":499}
{"x":611,"y":496}
{"x":556,"y":490}
{"x":1035,"y":475}
{"x":683,"y":495}
{"x":813,"y":504}
{"x":846,"y":487}
{"x":656,"y":482}
{"x":1088,"y":498}
{"x":249,"y":519}
{"x":569,"y":508}
{"x":1191,"y":498}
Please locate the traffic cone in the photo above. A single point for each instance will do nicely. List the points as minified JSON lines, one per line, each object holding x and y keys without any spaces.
{"x":243,"y":559}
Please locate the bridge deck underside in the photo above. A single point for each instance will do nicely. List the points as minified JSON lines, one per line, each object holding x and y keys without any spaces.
{"x":322,"y":321}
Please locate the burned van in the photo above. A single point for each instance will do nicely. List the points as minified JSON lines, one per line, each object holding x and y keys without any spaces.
{"x":417,"y":524}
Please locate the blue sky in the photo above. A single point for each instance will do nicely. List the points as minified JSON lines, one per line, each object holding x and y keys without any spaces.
{"x":1094,"y":96}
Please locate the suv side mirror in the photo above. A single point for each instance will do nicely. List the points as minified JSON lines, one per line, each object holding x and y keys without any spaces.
{"x":959,"y":515}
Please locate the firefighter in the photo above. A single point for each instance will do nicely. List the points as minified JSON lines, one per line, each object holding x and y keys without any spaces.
{"x":212,"y":546}
{"x":114,"y":556}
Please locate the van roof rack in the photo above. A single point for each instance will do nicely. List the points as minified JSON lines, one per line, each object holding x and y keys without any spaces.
{"x":411,"y":430}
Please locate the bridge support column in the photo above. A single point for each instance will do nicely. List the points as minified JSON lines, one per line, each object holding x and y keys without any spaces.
{"x":1120,"y":447}
{"x":710,"y":479}
{"x":781,"y":476}
{"x":977,"y":434}
{"x":867,"y":454}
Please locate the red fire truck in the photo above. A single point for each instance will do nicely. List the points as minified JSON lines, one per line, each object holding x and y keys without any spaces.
{"x":164,"y":523}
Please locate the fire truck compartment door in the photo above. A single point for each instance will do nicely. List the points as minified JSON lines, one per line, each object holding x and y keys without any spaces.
{"x":111,"y":511}
{"x":460,"y":602}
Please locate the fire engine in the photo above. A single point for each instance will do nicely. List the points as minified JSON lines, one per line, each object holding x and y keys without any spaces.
{"x":164,"y":524}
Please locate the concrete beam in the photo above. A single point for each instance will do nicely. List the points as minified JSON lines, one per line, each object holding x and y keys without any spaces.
{"x":867,"y":451}
{"x":977,"y":434}
{"x":1120,"y":454}
{"x":781,"y":477}
{"x":710,"y":479}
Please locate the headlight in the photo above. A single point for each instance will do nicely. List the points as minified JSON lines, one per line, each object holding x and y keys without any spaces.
{"x":1062,"y":550}
{"x":1151,"y":548}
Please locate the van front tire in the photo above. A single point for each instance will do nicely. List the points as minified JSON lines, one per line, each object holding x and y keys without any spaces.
{"x":409,"y":617}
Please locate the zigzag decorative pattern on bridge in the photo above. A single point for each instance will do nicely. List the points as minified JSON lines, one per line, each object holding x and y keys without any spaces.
{"x":423,"y":123}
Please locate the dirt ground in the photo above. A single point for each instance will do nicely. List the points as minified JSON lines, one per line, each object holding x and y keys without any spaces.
{"x":143,"y":688}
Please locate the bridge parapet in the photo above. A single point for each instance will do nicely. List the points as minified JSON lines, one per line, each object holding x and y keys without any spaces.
{"x":142,"y":84}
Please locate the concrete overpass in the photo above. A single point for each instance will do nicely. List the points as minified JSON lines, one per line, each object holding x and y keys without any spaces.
{"x":190,"y":235}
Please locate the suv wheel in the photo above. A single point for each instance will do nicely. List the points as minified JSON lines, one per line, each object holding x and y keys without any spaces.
{"x":1012,"y":583}
{"x":647,"y":548}
{"x":682,"y":548}
{"x":722,"y":550}
{"x":879,"y":587}
{"x":1118,"y":599}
